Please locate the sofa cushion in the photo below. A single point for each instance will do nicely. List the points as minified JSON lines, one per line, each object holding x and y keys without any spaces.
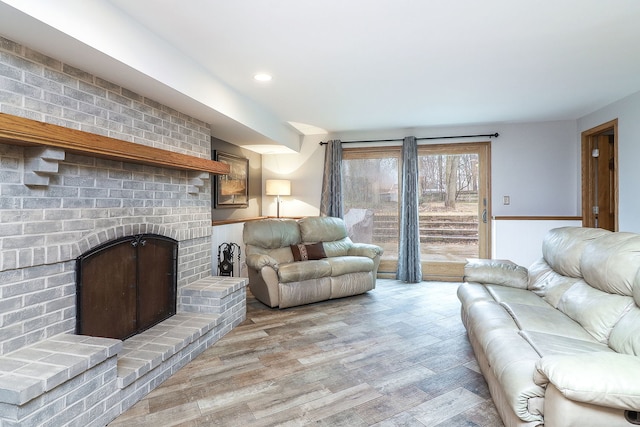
{"x":306,"y":270}
{"x":595,"y":310}
{"x":545,"y":319}
{"x":548,"y":284}
{"x":625,"y":336}
{"x":514,"y":295}
{"x":636,"y":289}
{"x":549,"y":344}
{"x":610,"y":263}
{"x":322,"y":229}
{"x":313,"y":251}
{"x":485,"y":318}
{"x":562,"y":248}
{"x":349,"y":264}
{"x":271,"y":233}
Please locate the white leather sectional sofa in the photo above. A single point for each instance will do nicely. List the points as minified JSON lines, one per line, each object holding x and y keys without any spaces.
{"x":559,"y":342}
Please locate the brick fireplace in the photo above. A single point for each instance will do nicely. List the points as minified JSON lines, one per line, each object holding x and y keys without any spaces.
{"x":57,"y":204}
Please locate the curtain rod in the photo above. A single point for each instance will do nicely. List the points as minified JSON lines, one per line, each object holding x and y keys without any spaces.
{"x":489,"y":135}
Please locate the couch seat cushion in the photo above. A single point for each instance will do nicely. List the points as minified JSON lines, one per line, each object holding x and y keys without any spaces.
{"x":349,"y":264}
{"x":515,"y":295}
{"x":546,"y":319}
{"x":551,"y":344}
{"x":304,"y":270}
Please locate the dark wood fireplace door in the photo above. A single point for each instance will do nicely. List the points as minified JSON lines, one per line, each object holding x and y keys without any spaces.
{"x":126,"y":286}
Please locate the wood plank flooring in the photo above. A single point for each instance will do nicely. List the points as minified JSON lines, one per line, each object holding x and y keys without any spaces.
{"x":395,"y":356}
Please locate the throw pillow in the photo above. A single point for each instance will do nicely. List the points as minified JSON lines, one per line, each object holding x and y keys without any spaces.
{"x":306,"y":252}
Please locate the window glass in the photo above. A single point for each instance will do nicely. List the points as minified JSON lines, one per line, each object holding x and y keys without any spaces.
{"x":370,"y":190}
{"x":448,"y":206}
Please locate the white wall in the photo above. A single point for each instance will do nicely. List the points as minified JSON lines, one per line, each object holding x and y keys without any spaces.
{"x":536,"y":164}
{"x":304,"y":169}
{"x":521,"y":241}
{"x":627,"y":111}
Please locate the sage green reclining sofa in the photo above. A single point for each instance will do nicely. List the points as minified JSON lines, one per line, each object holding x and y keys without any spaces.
{"x":294,"y":262}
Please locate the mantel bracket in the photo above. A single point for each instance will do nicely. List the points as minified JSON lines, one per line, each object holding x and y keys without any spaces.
{"x":40,"y":163}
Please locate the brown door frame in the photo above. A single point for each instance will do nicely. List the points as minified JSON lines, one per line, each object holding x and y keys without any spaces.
{"x":588,"y":198}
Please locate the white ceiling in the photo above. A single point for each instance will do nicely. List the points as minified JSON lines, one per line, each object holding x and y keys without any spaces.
{"x":361,"y":65}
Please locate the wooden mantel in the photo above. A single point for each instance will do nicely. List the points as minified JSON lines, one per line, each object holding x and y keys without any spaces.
{"x":20,"y":131}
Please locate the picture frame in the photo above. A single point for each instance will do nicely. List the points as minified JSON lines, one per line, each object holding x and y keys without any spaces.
{"x":232,"y":190}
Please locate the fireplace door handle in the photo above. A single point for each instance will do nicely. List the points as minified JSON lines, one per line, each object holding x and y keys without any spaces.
{"x":137,"y":241}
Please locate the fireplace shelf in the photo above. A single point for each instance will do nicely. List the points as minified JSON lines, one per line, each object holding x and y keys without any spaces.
{"x":21,"y":131}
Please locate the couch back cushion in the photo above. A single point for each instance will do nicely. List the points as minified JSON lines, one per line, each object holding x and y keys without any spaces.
{"x":562,"y":248}
{"x":321,"y":229}
{"x":331,"y":231}
{"x":625,"y":336}
{"x":597,"y":311}
{"x":610,"y":263}
{"x":547,"y":283}
{"x":271,"y":233}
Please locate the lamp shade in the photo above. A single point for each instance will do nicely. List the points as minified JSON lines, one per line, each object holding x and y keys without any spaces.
{"x":278,"y":187}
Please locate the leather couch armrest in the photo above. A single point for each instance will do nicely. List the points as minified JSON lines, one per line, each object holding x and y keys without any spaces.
{"x":365,"y":249}
{"x":257,"y":261}
{"x":600,"y":378}
{"x":497,"y":272}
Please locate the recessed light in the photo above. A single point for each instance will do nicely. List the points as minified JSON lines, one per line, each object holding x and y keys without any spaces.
{"x":262,"y":77}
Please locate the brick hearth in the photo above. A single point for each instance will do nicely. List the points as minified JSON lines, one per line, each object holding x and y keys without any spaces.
{"x":89,"y":381}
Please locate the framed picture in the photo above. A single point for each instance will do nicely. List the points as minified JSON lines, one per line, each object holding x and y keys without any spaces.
{"x":232,"y":190}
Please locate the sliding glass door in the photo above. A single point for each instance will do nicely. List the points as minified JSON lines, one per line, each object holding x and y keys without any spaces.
{"x":370,"y":183}
{"x":454,"y":205}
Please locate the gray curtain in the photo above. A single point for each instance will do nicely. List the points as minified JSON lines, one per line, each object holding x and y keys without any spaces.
{"x":409,"y":268}
{"x":331,"y":198}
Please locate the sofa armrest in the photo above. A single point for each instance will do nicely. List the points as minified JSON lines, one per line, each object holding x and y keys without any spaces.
{"x":497,"y":272}
{"x":600,"y":378}
{"x":257,"y":261}
{"x":365,"y":249}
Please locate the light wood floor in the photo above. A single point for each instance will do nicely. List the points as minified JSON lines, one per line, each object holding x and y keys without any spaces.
{"x":395,"y":356}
